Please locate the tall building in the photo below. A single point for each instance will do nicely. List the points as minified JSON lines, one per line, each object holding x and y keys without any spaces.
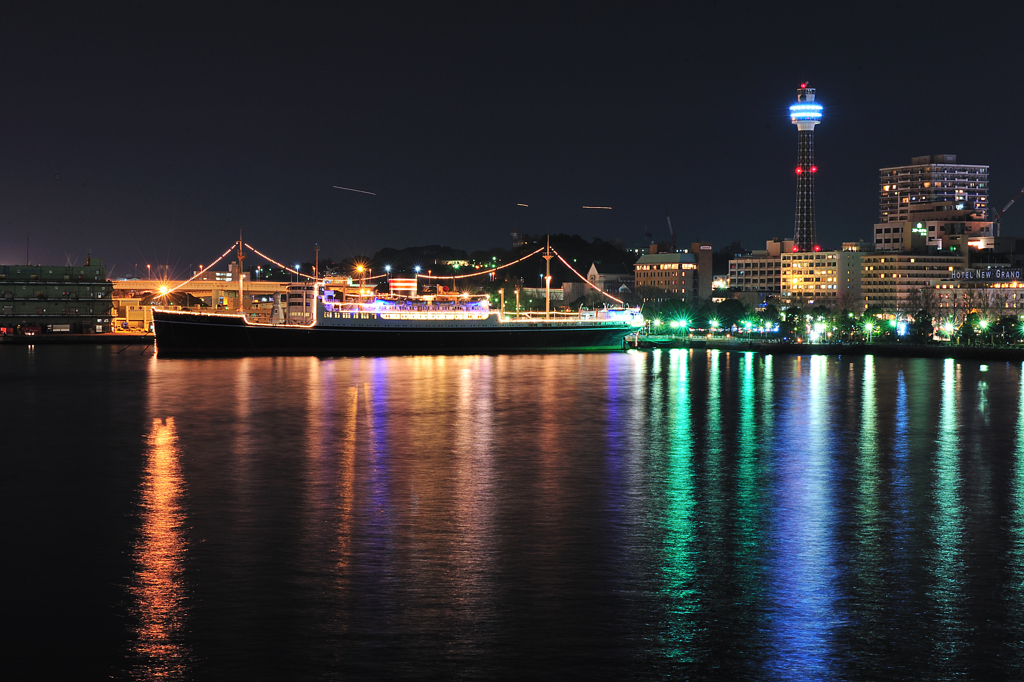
{"x":931,"y":182}
{"x":931,"y":203}
{"x":805,"y":114}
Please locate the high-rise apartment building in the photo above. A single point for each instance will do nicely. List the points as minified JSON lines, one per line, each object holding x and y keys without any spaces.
{"x":931,"y":203}
{"x":930,"y":181}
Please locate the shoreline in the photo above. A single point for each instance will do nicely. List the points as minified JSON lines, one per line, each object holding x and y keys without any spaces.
{"x":75,"y":339}
{"x":899,"y":350}
{"x":895,"y":350}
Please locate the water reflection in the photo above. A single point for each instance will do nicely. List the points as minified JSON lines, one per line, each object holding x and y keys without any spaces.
{"x":803,"y":570}
{"x":665,"y":514}
{"x":1016,"y":537}
{"x":159,"y":647}
{"x":946,"y":562}
{"x":681,"y":590}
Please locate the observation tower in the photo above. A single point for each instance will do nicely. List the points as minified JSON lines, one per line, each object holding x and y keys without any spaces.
{"x":805,"y":114}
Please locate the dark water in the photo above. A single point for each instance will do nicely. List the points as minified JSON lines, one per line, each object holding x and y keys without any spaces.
{"x":669,"y":515}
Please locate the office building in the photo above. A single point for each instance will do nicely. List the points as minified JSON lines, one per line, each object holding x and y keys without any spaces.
{"x":761,"y":270}
{"x":53,"y":298}
{"x":661,"y":276}
{"x":828,"y":278}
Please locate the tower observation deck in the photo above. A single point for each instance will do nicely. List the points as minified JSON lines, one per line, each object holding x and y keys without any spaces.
{"x":805,"y":114}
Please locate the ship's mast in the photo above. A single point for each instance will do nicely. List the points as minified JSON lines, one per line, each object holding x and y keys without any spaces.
{"x":241,"y":257}
{"x":547,"y":278}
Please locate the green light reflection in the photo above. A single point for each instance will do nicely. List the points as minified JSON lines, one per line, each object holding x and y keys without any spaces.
{"x":681,"y":590}
{"x":947,"y":564}
{"x":1016,"y":552}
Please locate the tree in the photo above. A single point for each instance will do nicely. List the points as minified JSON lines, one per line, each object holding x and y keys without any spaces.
{"x":922,"y":329}
{"x":968,"y":330}
{"x":1007,"y":326}
{"x":730,"y":312}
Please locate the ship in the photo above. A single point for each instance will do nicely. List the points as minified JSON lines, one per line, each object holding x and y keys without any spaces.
{"x":391,"y":324}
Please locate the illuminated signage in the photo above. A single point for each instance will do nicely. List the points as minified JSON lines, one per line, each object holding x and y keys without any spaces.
{"x":1000,"y":274}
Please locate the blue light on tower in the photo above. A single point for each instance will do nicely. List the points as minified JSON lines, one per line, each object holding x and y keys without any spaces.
{"x":805,"y":114}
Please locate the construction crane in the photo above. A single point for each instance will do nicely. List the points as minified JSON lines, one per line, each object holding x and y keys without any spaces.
{"x":995,"y":220}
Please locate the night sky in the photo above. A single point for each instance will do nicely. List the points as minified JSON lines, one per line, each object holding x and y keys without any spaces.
{"x":154,"y":133}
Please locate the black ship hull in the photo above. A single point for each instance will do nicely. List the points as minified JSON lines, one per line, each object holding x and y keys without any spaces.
{"x":179,"y":334}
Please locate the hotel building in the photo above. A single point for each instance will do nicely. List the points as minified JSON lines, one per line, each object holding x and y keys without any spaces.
{"x":892,"y":281}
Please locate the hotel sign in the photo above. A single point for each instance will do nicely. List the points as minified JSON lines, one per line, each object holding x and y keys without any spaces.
{"x":989,"y":274}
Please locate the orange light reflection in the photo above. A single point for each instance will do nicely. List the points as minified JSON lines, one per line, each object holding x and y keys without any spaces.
{"x":157,"y":585}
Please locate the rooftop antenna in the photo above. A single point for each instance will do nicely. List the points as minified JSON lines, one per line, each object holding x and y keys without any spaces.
{"x":670,"y":230}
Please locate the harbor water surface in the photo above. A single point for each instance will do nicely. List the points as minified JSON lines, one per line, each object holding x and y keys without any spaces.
{"x":674,"y":514}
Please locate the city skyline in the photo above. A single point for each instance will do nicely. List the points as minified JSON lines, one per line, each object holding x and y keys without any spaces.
{"x":156,"y":138}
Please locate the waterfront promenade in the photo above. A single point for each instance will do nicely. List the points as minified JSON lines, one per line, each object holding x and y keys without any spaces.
{"x":897,"y":350}
{"x":75,"y":339}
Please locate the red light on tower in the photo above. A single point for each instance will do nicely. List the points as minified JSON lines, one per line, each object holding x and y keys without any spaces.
{"x":814,"y":169}
{"x":796,"y":249}
{"x":799,"y":171}
{"x":817,"y":248}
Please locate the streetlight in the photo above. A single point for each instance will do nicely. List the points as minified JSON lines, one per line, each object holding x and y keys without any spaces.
{"x":869,"y":327}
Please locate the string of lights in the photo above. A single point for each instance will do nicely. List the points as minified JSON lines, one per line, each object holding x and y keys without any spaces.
{"x":201,"y":272}
{"x":280,"y":265}
{"x":484,"y":272}
{"x":380,"y":276}
{"x":589,"y":283}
